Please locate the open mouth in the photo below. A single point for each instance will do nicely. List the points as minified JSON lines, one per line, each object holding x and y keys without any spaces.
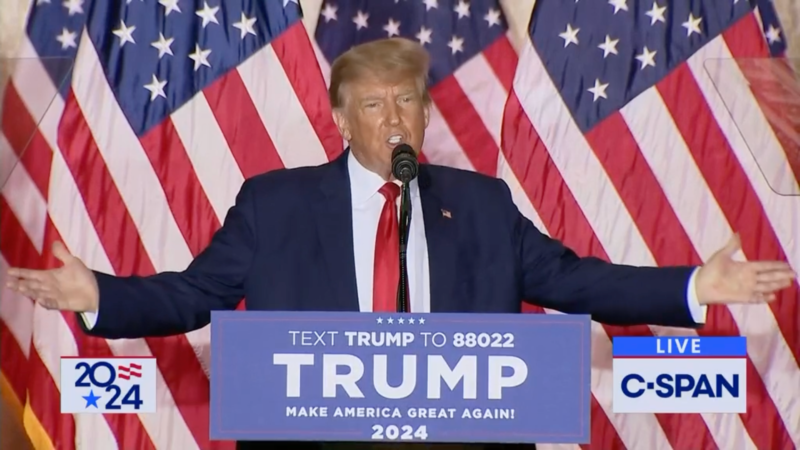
{"x":395,"y":140}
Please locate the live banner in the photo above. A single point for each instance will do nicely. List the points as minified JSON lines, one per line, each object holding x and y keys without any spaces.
{"x":341,"y":376}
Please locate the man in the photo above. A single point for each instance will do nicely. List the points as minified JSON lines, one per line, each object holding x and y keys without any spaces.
{"x":325,"y":239}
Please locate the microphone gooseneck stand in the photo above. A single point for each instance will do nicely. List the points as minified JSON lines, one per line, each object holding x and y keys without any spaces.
{"x":405,"y":225}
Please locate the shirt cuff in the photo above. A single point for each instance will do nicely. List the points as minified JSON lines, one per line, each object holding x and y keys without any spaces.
{"x":89,"y":319}
{"x":697,"y":310}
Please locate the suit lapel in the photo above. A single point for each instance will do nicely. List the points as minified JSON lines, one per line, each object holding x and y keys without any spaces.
{"x":333,"y":215}
{"x":441,"y":241}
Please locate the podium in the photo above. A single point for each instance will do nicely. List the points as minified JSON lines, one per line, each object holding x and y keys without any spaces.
{"x":400,"y":378}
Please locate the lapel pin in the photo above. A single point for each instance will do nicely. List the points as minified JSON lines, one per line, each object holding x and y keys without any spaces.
{"x":446,"y":214}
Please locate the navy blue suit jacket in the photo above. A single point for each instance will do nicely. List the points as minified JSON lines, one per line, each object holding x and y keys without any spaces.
{"x":287,"y":244}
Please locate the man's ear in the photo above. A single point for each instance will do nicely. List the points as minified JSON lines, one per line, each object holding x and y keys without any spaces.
{"x":342,"y":124}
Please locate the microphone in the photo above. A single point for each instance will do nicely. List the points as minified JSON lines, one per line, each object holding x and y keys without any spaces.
{"x":404,"y":163}
{"x":405,"y":168}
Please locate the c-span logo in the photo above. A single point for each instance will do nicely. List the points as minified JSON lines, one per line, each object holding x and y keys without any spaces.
{"x":680,"y":375}
{"x":108,"y":385}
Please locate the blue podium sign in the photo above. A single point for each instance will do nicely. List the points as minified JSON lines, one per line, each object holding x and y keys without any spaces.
{"x":340,"y":376}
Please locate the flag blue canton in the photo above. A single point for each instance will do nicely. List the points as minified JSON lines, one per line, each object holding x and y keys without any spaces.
{"x":157,"y":54}
{"x":453,"y":32}
{"x":602,"y":54}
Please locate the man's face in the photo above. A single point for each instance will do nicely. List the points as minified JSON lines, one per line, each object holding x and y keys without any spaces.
{"x":377,"y":115}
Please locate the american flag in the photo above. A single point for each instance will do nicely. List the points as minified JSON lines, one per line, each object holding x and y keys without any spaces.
{"x":171,"y":104}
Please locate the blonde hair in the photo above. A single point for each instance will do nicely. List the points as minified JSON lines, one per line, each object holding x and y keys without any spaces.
{"x":392,"y":60}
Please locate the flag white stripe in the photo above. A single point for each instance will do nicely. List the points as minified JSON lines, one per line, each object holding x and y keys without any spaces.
{"x":16,"y":312}
{"x":207,"y":149}
{"x":485,"y":92}
{"x":23,"y":197}
{"x":268,"y":85}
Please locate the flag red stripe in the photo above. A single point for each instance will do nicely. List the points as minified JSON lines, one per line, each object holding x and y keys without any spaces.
{"x":730,"y":187}
{"x":542,"y":182}
{"x":188,"y":202}
{"x":44,"y":401}
{"x":13,"y":361}
{"x":120,"y":239}
{"x":466,"y":125}
{"x":502,"y":58}
{"x":240,"y":123}
{"x":296,"y":54}
{"x":22,"y":132}
{"x":618,"y":152}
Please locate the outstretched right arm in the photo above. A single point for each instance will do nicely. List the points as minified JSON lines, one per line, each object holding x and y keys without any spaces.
{"x":164,"y":304}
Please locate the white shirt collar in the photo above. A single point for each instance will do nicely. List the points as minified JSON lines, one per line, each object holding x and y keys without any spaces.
{"x":365,"y":183}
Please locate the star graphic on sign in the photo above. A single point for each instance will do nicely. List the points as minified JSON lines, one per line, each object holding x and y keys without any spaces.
{"x":124,"y":33}
{"x":429,"y":4}
{"x":411,"y":320}
{"x":599,"y":90}
{"x":208,"y":14}
{"x":67,"y":39}
{"x":390,"y":320}
{"x":421,"y":321}
{"x":91,"y":399}
{"x":380,"y":319}
{"x":400,"y":320}
{"x":609,"y":46}
{"x":424,"y":35}
{"x":245,"y":26}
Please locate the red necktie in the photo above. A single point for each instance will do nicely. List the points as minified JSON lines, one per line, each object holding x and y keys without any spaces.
{"x":387,"y":254}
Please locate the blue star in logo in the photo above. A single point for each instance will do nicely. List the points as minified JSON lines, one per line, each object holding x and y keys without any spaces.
{"x":91,"y":399}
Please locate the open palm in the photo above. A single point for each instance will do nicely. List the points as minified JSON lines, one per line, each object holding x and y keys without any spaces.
{"x":71,"y":287}
{"x":723,"y":280}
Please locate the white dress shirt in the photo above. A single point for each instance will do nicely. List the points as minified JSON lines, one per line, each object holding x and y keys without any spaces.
{"x":367,"y":204}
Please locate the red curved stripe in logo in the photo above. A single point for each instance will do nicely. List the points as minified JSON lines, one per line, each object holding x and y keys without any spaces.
{"x":126,"y":372}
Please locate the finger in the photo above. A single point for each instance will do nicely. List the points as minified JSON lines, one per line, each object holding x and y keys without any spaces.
{"x":733,"y":245}
{"x":771,"y":266}
{"x":775,"y":275}
{"x":61,"y":252}
{"x":18,"y":272}
{"x":772,"y":286}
